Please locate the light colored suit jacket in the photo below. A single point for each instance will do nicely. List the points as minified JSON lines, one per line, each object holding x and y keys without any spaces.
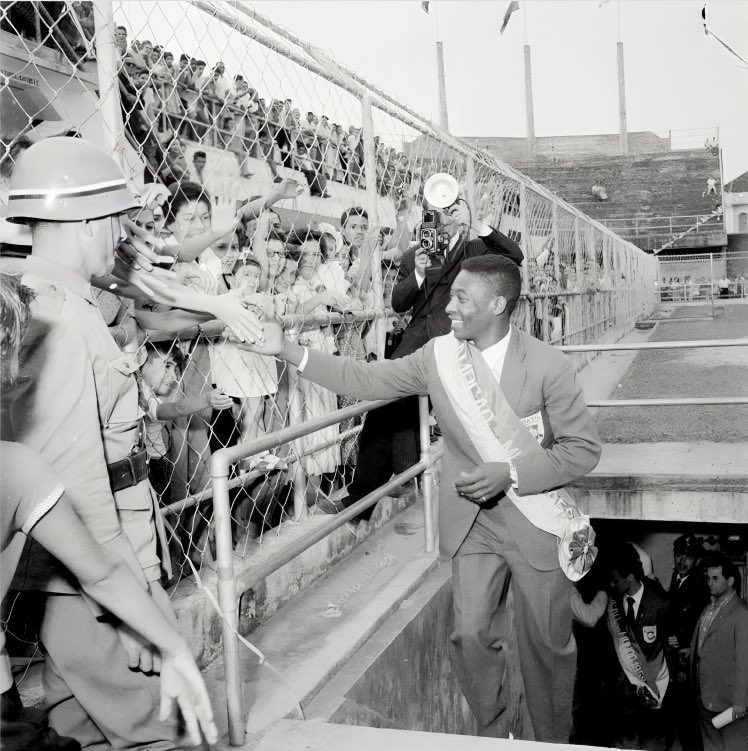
{"x":720,"y":667}
{"x":537,"y":379}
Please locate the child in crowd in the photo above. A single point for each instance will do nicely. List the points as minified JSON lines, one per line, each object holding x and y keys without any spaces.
{"x":158,"y":383}
{"x":243,"y":375}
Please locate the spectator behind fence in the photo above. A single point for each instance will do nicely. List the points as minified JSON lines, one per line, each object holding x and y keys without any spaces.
{"x":318,"y":401}
{"x":161,"y":401}
{"x":719,"y":659}
{"x":388,"y":443}
{"x":249,"y":379}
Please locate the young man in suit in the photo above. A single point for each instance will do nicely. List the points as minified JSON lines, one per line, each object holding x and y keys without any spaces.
{"x":719,"y":659}
{"x":490,"y":542}
{"x":388,"y":443}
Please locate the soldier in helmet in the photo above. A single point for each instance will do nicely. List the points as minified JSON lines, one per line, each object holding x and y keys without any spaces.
{"x":76,"y":402}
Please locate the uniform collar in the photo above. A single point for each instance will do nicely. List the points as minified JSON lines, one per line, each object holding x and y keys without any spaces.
{"x":57,"y":273}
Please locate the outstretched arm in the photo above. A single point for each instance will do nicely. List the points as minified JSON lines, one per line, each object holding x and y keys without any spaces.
{"x":389,"y":379}
{"x":105,"y":577}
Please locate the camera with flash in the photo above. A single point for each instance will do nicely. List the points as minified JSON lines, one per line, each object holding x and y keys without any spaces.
{"x":440,"y":191}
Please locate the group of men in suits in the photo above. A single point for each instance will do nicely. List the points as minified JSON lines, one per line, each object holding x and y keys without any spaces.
{"x":697,"y":633}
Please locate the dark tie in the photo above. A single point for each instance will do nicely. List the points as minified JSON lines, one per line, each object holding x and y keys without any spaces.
{"x":630,"y":617}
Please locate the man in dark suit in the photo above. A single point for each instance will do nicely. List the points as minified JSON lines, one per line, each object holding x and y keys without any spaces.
{"x":688,"y":594}
{"x":641,"y":634}
{"x":491,"y":544}
{"x":388,"y":443}
{"x":719,"y":659}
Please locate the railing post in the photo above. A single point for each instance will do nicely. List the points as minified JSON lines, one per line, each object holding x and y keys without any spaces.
{"x":108,"y":77}
{"x":227,"y":599}
{"x":470,"y":186}
{"x":578,"y":254}
{"x":556,"y":243}
{"x":372,"y":200}
{"x":427,"y":476}
{"x":296,"y":417}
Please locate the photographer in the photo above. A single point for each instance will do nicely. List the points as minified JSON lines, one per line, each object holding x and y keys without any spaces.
{"x":388,"y":443}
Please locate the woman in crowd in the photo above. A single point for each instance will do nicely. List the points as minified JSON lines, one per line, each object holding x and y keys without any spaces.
{"x":313,"y":300}
{"x":34,"y":504}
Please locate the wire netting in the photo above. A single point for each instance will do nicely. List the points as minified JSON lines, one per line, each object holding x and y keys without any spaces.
{"x":278,"y":177}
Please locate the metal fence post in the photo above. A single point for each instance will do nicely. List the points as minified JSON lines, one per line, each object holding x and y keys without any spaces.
{"x":556,"y":242}
{"x":578,"y":253}
{"x":106,"y":70}
{"x":227,"y":597}
{"x":372,"y":200}
{"x":470,"y":186}
{"x":427,"y":476}
{"x":296,"y":417}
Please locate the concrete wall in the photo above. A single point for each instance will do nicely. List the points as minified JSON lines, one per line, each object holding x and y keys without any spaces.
{"x":514,"y":150}
{"x":737,"y":256}
{"x":402,"y":677}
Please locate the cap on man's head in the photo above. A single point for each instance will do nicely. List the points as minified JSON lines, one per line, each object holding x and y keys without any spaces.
{"x":687,"y":545}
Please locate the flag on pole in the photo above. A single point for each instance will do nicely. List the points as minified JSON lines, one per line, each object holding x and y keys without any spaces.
{"x":514,"y":5}
{"x":743,"y":63}
{"x":425,"y":6}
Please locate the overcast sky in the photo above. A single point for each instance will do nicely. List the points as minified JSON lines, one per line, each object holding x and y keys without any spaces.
{"x":676,"y":78}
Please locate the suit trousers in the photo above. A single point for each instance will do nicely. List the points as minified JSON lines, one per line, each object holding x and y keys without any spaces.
{"x":486,"y":565}
{"x":92,"y":695}
{"x":729,"y":738}
{"x":388,"y":444}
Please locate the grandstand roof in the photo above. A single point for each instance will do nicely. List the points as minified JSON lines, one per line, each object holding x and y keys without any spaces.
{"x":738,"y":185}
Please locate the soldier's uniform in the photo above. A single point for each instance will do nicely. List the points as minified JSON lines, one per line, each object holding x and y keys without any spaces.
{"x":76,"y":402}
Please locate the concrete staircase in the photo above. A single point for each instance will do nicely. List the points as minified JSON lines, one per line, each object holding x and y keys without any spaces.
{"x":640,"y":188}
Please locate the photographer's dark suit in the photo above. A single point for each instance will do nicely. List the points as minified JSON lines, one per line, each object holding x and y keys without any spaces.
{"x":388,"y":443}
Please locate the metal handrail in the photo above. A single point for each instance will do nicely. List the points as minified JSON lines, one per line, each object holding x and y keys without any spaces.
{"x":692,"y":344}
{"x":220,"y":464}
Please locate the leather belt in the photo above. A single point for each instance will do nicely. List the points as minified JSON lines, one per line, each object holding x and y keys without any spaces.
{"x":129,"y":471}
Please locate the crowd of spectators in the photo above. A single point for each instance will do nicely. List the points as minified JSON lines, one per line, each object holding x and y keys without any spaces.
{"x":165,"y":98}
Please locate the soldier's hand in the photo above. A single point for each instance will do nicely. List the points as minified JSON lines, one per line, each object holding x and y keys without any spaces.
{"x":141,"y":655}
{"x":484,"y":482}
{"x":182,"y":686}
{"x":141,"y":248}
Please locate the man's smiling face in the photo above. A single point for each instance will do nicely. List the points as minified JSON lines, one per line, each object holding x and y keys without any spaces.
{"x":472,"y":306}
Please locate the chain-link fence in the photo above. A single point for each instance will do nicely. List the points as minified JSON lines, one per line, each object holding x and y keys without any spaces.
{"x":217,"y":116}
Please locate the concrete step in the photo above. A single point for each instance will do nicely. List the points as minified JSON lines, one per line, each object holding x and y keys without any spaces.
{"x":295,"y":735}
{"x":680,"y":482}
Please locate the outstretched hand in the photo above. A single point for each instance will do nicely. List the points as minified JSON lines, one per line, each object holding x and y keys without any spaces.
{"x":182,"y":686}
{"x":274,"y":338}
{"x":484,"y":482}
{"x":245,"y":324}
{"x":224,"y":216}
{"x":140,"y":248}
